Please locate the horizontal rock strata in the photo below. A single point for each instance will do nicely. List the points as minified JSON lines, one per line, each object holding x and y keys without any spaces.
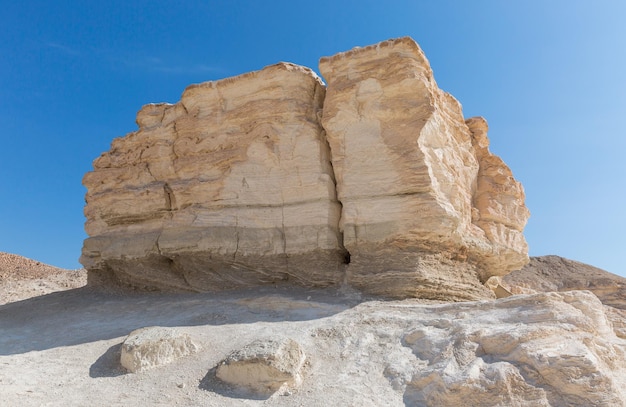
{"x":270,"y":177}
{"x":552,"y":349}
{"x":230,"y":187}
{"x":421,"y":193}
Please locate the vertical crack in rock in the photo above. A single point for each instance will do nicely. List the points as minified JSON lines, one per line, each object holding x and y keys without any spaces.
{"x":170,"y":200}
{"x":283,"y":234}
{"x":336,"y":197}
{"x":236,"y":237}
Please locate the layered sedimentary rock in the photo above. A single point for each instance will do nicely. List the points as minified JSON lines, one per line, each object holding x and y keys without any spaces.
{"x":230,"y":187}
{"x":270,"y":177}
{"x":426,"y":206}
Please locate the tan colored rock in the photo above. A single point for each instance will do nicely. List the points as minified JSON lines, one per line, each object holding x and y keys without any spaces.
{"x":418,"y":185}
{"x":554,"y":273}
{"x":264,"y":366}
{"x":498,"y":208}
{"x":233,"y":186}
{"x":230,"y":187}
{"x":155,"y":346}
{"x":495,"y":284}
{"x":617,"y":317}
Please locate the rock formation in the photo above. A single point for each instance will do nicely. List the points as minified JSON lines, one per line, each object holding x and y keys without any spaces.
{"x":146,"y":348}
{"x":230,"y":187}
{"x":270,"y":177}
{"x":560,"y":351}
{"x":421,"y":193}
{"x":545,"y":349}
{"x":264,"y":367}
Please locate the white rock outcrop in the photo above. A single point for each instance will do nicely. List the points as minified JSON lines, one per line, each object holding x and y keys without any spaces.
{"x":264,"y":366}
{"x":271,"y":177}
{"x":149,"y":347}
{"x":547,"y":349}
{"x":561,"y":352}
{"x":554,"y":273}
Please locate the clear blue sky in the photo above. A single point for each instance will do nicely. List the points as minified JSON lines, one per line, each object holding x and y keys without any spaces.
{"x":549,"y":76}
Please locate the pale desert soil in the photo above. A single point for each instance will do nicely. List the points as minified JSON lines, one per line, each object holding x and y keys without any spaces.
{"x":60,"y":346}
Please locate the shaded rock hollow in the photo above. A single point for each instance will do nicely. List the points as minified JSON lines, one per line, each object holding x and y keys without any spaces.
{"x":376,"y":180}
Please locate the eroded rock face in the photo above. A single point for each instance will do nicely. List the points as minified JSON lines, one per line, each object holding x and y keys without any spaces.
{"x":230,"y":187}
{"x":270,"y":177}
{"x":418,"y":185}
{"x":264,"y":366}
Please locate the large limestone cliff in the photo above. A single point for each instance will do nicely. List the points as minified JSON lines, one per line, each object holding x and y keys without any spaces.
{"x":270,"y":177}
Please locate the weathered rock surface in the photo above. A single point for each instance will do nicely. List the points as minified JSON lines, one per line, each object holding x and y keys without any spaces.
{"x":554,"y":273}
{"x":233,"y":186}
{"x":230,"y":187}
{"x":146,"y":348}
{"x":418,"y":184}
{"x":264,"y":366}
{"x":550,"y":349}
{"x":558,"y":351}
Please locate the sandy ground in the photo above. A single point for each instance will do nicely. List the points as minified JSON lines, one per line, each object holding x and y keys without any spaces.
{"x":60,"y":343}
{"x":62,"y":348}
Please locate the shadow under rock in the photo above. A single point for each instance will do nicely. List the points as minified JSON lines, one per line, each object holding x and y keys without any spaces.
{"x":108,"y":365}
{"x":211,"y":383}
{"x":89,"y":314}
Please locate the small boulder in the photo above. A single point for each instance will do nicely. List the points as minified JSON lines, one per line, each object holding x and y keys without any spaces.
{"x":264,"y":366}
{"x":150,"y":347}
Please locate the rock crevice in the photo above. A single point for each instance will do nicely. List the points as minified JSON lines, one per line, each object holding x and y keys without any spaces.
{"x":375,"y":179}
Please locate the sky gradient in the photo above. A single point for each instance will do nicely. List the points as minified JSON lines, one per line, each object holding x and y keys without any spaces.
{"x":549,"y":77}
